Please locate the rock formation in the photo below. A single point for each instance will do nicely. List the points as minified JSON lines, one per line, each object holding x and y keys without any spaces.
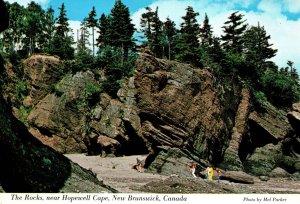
{"x":173,"y":111}
{"x":232,"y":159}
{"x":29,"y":166}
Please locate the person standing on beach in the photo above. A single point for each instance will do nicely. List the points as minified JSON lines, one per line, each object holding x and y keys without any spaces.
{"x":211,"y":173}
{"x":219,"y":174}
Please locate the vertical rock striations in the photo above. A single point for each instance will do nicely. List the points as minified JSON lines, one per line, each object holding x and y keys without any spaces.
{"x":232,"y":159}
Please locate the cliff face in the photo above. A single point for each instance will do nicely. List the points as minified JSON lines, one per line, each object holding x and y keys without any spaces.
{"x":173,"y":111}
{"x":181,"y":106}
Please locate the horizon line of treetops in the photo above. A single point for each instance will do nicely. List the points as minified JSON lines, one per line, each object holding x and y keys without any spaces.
{"x":243,"y":51}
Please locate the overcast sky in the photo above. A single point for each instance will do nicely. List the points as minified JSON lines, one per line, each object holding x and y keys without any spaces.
{"x":281,"y":18}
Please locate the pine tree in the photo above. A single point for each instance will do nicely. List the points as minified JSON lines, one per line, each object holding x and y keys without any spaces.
{"x":187,"y":45}
{"x":157,"y":35}
{"x":62,"y":42}
{"x":83,"y":38}
{"x":234,"y":28}
{"x":146,"y":21}
{"x":13,"y":35}
{"x":257,"y":51}
{"x":170,"y":32}
{"x":49,"y":28}
{"x":152,"y":28}
{"x":62,"y":28}
{"x":32,"y":26}
{"x":206,"y":33}
{"x":103,"y":27}
{"x":292,"y":71}
{"x":92,"y":23}
{"x":256,"y":42}
{"x":121,"y":29}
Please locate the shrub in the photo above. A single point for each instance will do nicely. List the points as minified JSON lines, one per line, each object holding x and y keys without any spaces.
{"x":280,"y":89}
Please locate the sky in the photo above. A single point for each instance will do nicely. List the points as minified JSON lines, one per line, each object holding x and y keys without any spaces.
{"x":280,"y":18}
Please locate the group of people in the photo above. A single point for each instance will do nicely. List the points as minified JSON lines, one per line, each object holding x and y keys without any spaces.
{"x":209,"y":173}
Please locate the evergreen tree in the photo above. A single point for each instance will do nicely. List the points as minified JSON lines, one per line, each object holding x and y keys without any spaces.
{"x":62,"y":43}
{"x":13,"y":35}
{"x":234,"y":28}
{"x":206,"y":33}
{"x":146,"y":21}
{"x":152,"y":28}
{"x":83,"y":42}
{"x":103,"y":27}
{"x":62,"y":28}
{"x":49,"y":28}
{"x":292,"y":71}
{"x":121,"y":30}
{"x":157,"y":35}
{"x":32,"y":25}
{"x":92,"y":23}
{"x":170,"y":32}
{"x":187,"y":45}
{"x":257,"y":51}
{"x":280,"y":88}
{"x":216,"y":51}
{"x":256,"y":44}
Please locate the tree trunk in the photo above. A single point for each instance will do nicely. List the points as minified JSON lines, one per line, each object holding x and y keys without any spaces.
{"x":93,"y":30}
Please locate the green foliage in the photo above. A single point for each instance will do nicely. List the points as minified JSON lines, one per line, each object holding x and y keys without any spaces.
{"x":281,"y":89}
{"x":47,"y":162}
{"x":92,"y":23}
{"x":103,"y":28}
{"x":32,"y":27}
{"x":83,"y":40}
{"x":61,"y":44}
{"x":121,"y":29}
{"x":56,"y":90}
{"x":21,"y":90}
{"x":91,"y":90}
{"x":25,"y":111}
{"x":49,"y":26}
{"x":62,"y":48}
{"x":244,"y":54}
{"x":152,"y":27}
{"x":234,"y":64}
{"x":233,"y":31}
{"x":259,"y":99}
{"x":170,"y":32}
{"x":84,"y":61}
{"x":187,"y":43}
{"x":115,"y":70}
{"x":206,"y":33}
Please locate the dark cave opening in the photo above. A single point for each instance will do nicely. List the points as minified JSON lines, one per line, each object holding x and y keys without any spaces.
{"x":135,"y":145}
{"x":257,"y":137}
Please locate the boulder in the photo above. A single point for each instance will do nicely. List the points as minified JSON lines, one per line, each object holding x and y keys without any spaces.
{"x":263,"y":160}
{"x":279,"y":172}
{"x":108,"y":145}
{"x":238,"y":177}
{"x":171,"y":162}
{"x":33,"y":167}
{"x":61,"y":118}
{"x":41,"y":73}
{"x":268,"y":126}
{"x":294,"y":118}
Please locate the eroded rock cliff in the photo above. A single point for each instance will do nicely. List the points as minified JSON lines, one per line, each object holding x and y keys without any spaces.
{"x":164,"y":107}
